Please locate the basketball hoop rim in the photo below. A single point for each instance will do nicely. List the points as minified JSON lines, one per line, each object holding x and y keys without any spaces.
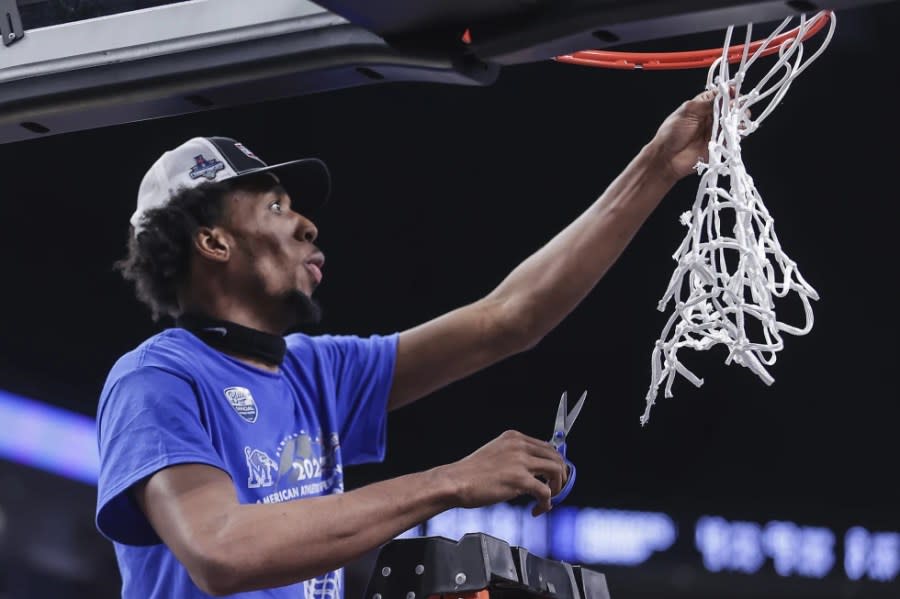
{"x":691,"y":59}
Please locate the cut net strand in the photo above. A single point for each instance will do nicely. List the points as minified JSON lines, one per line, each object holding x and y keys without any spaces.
{"x":723,"y":281}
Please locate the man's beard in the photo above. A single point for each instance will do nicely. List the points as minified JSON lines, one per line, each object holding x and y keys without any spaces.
{"x":303,"y":308}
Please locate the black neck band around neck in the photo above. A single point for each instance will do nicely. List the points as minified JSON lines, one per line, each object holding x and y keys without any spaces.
{"x":230,"y":337}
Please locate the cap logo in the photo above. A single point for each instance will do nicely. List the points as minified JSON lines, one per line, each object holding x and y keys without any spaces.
{"x":245,"y":150}
{"x":206,"y":168}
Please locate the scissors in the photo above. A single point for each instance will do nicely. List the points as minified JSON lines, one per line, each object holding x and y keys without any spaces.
{"x":564,"y":421}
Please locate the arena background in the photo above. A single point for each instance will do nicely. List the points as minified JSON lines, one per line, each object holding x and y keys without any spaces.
{"x":438,"y":192}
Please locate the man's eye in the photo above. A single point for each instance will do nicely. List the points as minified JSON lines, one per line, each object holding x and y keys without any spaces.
{"x":276,"y":206}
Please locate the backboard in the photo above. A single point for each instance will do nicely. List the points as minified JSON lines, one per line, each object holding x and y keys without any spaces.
{"x":75,"y":65}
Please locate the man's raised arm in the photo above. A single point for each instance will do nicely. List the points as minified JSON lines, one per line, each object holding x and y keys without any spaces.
{"x":547,"y":286}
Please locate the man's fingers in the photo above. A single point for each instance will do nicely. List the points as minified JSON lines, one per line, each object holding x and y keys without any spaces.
{"x":537,"y":468}
{"x":541,"y":492}
{"x":540,"y":448}
{"x":550,"y":465}
{"x":706,"y":97}
{"x":702,"y":103}
{"x":553,"y":472}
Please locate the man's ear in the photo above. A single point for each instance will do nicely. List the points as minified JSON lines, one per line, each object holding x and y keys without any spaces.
{"x":212,"y":243}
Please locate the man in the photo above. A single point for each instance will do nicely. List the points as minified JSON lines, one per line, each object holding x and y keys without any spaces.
{"x":210,"y":431}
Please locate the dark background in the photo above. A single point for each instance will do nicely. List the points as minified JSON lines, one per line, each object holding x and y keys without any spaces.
{"x":439,"y":191}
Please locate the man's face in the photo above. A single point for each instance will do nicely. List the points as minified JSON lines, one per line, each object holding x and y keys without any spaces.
{"x":274,"y":260}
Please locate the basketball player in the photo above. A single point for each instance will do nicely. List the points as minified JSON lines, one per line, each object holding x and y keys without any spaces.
{"x":223,"y":439}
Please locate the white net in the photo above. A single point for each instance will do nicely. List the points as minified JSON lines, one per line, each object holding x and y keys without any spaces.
{"x":724,"y":282}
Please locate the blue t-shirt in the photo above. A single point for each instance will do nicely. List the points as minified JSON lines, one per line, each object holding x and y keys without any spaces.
{"x":280,"y":436}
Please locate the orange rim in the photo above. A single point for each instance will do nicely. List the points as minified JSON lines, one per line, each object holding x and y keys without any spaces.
{"x":657,"y":61}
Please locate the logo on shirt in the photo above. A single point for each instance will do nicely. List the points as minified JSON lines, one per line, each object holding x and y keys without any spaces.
{"x":306,"y":465}
{"x":329,"y":586}
{"x":242,"y":402}
{"x":260,"y":467}
{"x":206,"y":168}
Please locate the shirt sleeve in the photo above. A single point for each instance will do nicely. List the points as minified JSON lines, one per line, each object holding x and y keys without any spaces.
{"x":363,"y":370}
{"x":148,"y":420}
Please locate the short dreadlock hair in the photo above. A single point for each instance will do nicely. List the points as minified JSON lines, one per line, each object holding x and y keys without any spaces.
{"x":159,"y":257}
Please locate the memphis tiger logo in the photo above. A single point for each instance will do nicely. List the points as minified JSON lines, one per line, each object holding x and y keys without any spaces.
{"x":206,"y":168}
{"x":260,"y":467}
{"x":243,"y":403}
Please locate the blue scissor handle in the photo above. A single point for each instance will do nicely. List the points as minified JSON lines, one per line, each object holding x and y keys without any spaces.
{"x":570,"y":482}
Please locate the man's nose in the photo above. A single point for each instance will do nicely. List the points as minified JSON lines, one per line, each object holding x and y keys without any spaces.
{"x":306,"y":230}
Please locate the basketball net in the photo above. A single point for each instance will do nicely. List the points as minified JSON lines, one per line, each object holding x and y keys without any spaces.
{"x":724,"y":282}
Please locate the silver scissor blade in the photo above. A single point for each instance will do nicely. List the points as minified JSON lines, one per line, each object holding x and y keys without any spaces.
{"x":570,"y":419}
{"x":561,"y":412}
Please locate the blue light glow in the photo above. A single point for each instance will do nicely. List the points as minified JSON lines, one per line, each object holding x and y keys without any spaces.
{"x":727,"y":545}
{"x":415,"y":531}
{"x":49,"y":438}
{"x":620,"y":537}
{"x":873,"y":555}
{"x":586,"y":535}
{"x":513,"y":524}
{"x":594,"y":536}
{"x":806,"y":551}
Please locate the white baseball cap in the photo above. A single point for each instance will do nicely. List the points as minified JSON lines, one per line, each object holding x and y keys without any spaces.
{"x":204,"y":159}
